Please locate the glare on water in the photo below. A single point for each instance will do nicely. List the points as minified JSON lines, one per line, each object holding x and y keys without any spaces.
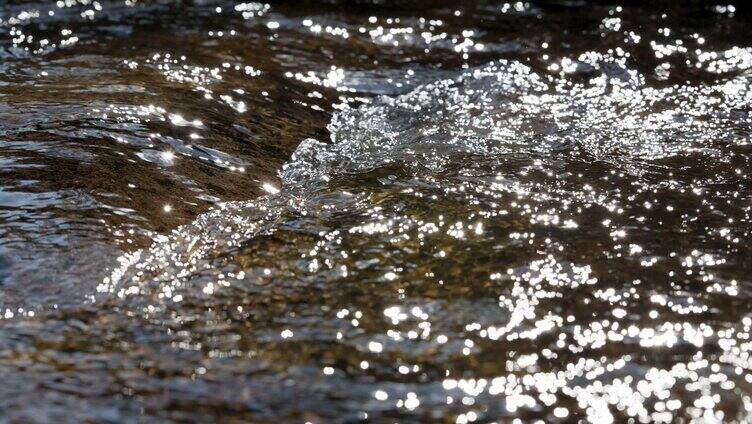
{"x":496,"y":212}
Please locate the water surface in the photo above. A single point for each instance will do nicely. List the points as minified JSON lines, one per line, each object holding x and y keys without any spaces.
{"x":486,"y":212}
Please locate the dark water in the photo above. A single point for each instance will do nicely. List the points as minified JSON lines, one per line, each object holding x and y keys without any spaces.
{"x":340,"y":212}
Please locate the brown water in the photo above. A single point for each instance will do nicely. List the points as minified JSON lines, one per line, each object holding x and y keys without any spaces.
{"x":338,"y":212}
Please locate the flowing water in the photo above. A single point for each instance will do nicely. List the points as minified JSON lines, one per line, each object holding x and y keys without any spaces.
{"x":343,"y":212}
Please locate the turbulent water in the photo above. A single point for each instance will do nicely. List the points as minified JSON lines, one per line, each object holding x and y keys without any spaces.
{"x":494,"y":212}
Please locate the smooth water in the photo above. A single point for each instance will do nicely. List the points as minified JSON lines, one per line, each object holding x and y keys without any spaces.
{"x":450,"y":212}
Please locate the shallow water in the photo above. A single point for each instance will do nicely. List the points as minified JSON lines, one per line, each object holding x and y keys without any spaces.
{"x":483,"y":212}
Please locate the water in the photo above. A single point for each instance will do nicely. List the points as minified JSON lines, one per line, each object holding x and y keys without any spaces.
{"x":461,"y":213}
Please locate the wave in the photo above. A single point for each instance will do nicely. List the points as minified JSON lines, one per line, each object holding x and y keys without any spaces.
{"x":495,"y":245}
